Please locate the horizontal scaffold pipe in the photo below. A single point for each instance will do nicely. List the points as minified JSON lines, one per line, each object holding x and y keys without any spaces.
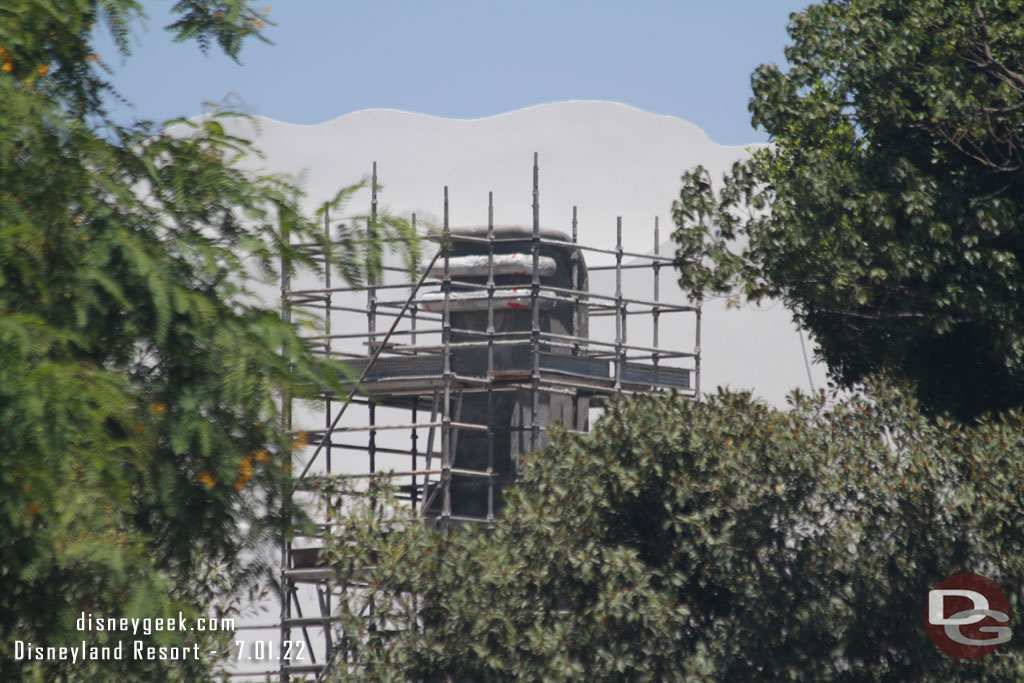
{"x":581,"y":296}
{"x":387,"y":474}
{"x":631,"y":347}
{"x":338,"y":290}
{"x":411,"y":425}
{"x":660,"y":305}
{"x":364,"y":335}
{"x":627,"y":266}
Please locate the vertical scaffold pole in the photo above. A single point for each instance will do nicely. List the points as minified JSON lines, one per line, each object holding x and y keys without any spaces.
{"x":535,"y":314}
{"x":576,"y":313}
{"x":575,"y":260}
{"x":446,"y":335}
{"x":287,"y":585}
{"x":655,"y":310}
{"x":490,"y":356}
{"x":327,"y":341}
{"x":414,"y":437}
{"x":619,"y":322}
{"x":371,"y":308}
{"x":371,"y":235}
{"x":413,"y":307}
{"x":325,"y":595}
{"x":696,"y":369}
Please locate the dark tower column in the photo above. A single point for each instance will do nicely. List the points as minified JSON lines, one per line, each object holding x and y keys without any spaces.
{"x":509,"y":404}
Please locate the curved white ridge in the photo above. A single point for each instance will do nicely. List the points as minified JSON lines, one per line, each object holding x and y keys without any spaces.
{"x":607,"y":159}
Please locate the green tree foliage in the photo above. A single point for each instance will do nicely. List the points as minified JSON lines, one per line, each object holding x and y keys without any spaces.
{"x":717,"y":541}
{"x":889,"y":212}
{"x":142,"y":452}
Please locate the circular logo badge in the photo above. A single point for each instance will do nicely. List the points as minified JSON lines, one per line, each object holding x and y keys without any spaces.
{"x":967,"y":616}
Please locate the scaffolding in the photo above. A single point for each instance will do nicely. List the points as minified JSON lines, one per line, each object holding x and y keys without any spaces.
{"x":460,"y":370}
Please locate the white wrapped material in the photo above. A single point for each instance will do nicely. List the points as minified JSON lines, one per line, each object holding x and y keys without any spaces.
{"x":475,"y":265}
{"x":477,"y":301}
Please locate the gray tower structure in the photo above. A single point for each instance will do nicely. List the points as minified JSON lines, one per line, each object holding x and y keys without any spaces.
{"x":505,"y":316}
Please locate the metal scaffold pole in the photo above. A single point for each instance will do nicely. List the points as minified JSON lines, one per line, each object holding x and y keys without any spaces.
{"x":414,"y":433}
{"x":446,"y":338}
{"x":371,"y":310}
{"x":619,"y":334}
{"x":655,"y":311}
{"x":490,"y":356}
{"x":324,"y":594}
{"x":535,"y":313}
{"x":575,"y":287}
{"x":287,"y":586}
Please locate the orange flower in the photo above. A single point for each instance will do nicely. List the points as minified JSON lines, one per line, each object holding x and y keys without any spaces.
{"x":244,"y":472}
{"x":8,"y":67}
{"x":207,"y":479}
{"x":43,"y":69}
{"x":262,"y":456}
{"x":156,"y":407}
{"x":301,"y":440}
{"x":93,"y":57}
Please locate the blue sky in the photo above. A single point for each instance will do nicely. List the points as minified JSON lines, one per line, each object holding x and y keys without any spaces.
{"x":468,"y":59}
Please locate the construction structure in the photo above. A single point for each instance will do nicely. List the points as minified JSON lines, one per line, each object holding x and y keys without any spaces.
{"x":461,"y":369}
